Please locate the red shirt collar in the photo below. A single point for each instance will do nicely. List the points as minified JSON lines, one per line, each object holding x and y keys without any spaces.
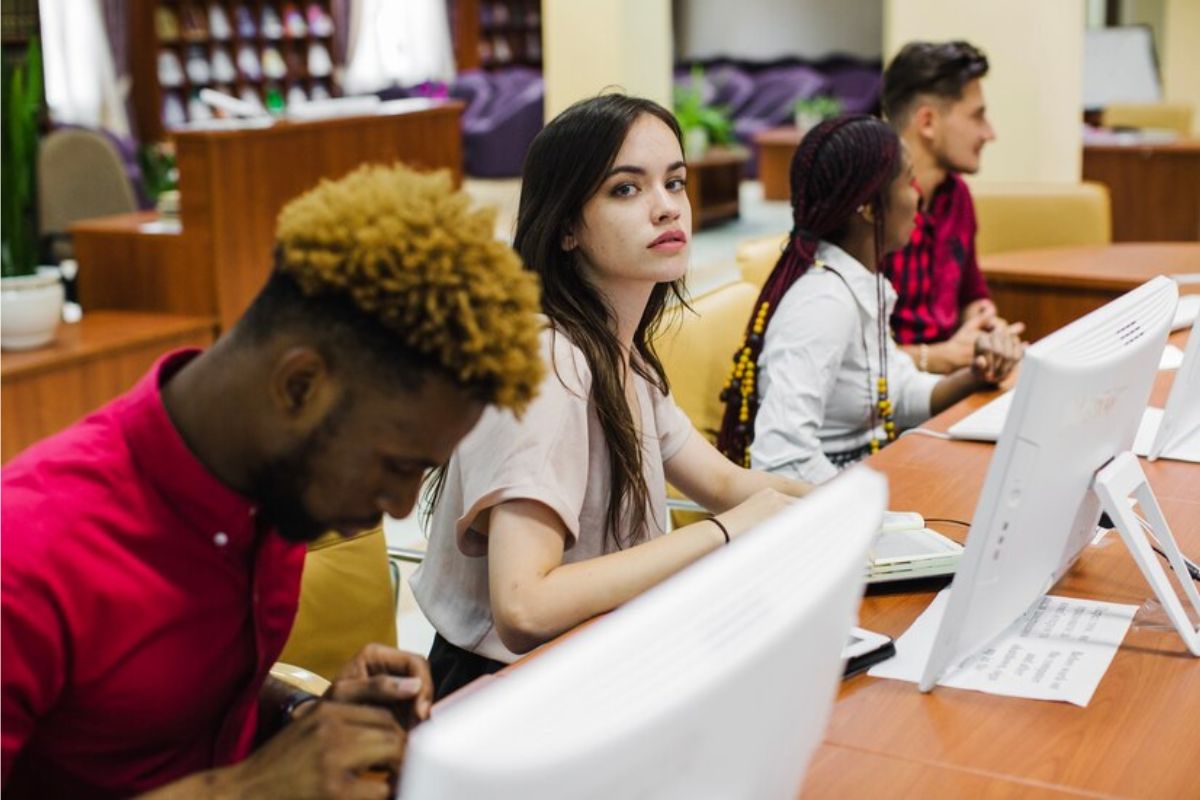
{"x":166,"y":462}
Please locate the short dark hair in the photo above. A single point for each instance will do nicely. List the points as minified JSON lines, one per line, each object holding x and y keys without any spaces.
{"x":397,"y":270}
{"x":941,"y":69}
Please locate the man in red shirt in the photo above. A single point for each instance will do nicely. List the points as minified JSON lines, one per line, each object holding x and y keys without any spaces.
{"x":152,"y":552}
{"x":944,"y":314}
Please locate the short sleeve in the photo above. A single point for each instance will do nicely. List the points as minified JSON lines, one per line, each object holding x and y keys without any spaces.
{"x":541,"y":456}
{"x":673,"y":426}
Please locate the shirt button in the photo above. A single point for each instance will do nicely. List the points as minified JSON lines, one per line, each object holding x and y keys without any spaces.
{"x":220,"y":539}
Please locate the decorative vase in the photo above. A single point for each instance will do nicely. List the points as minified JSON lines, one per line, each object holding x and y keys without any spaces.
{"x":806,"y":120}
{"x":695,"y":142}
{"x":30,"y":309}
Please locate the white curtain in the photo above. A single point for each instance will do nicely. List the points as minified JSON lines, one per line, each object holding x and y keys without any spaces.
{"x":397,"y":43}
{"x":81,"y":82}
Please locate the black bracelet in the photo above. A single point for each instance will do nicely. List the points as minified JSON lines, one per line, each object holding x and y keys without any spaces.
{"x":724,"y":530}
{"x":293,"y":701}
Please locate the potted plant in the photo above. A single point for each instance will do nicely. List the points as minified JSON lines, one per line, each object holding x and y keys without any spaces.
{"x":811,"y":111}
{"x":32,"y":296}
{"x":701,"y":123}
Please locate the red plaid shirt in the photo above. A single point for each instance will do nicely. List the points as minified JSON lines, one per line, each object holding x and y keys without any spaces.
{"x":936,"y":274}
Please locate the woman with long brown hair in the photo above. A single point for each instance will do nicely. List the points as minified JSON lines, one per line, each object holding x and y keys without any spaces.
{"x":819,"y":383}
{"x":543,"y":522}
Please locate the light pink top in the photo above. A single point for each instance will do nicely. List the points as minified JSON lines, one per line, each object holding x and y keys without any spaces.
{"x":555,"y":454}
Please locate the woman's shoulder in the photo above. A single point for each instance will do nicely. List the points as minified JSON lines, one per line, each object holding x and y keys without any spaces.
{"x":566,"y":365}
{"x":819,"y":287}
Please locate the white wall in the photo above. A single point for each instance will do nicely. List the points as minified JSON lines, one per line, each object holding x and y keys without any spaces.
{"x":1181,"y":56}
{"x":592,"y":45}
{"x":761,"y":30}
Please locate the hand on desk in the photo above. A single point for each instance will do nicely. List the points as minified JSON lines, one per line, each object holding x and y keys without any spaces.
{"x":998,"y":351}
{"x":351,"y":740}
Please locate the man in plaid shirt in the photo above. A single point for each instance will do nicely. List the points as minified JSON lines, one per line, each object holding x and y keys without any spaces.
{"x":944,"y":315}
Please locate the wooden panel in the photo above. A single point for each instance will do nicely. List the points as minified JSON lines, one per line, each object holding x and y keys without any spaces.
{"x":1046,"y":289}
{"x":234,"y":183}
{"x":89,"y":364}
{"x":775,"y":151}
{"x":851,"y":774}
{"x":713,"y":185}
{"x":1155,"y":188}
{"x":126,"y":268}
{"x":232,"y":186}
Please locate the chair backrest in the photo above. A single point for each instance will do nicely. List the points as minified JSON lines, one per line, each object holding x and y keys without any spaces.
{"x":756,"y":257}
{"x":1171,"y":116}
{"x":346,"y":601}
{"x":698,"y":353}
{"x":80,"y":175}
{"x":1027,"y":216}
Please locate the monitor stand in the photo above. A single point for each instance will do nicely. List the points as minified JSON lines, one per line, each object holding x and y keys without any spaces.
{"x":1114,"y":484}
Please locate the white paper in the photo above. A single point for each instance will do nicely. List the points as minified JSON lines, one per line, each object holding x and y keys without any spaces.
{"x":1059,"y":650}
{"x":161,"y":226}
{"x":1172,"y":358}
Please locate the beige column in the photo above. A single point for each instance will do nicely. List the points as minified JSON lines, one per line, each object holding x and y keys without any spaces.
{"x":1181,"y":56}
{"x":591,"y":45}
{"x":1034,"y":87}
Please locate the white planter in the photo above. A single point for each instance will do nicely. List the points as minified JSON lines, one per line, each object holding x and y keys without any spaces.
{"x":695,"y":143}
{"x":30,"y":309}
{"x":806,"y":120}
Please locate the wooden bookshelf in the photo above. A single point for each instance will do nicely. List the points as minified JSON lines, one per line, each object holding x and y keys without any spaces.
{"x":262,"y":54}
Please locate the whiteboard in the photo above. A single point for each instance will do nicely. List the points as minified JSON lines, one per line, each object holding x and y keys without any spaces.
{"x":1119,"y":66}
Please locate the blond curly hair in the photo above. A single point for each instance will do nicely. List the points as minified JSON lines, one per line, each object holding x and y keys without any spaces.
{"x":411,"y":252}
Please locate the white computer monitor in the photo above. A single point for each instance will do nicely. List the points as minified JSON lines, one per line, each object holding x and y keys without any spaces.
{"x":1176,"y":426}
{"x":1119,"y":66}
{"x":1077,"y":404}
{"x":716,"y":683}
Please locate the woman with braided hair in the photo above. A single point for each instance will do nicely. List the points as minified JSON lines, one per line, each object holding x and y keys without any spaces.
{"x":547,"y":520}
{"x":818,"y":383}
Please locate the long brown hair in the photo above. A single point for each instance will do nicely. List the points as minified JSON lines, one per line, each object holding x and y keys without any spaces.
{"x":841,"y":164}
{"x":564,"y":168}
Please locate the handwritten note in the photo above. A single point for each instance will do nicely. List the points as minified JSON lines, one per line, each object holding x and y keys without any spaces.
{"x":1058,"y":650}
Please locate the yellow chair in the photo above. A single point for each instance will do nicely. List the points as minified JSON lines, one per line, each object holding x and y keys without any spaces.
{"x":698,"y":353}
{"x":756,"y":257}
{"x":347,"y":600}
{"x":1175,"y":117}
{"x":1029,"y":216}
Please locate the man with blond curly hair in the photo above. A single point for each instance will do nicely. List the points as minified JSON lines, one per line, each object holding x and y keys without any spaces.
{"x":152,"y":552}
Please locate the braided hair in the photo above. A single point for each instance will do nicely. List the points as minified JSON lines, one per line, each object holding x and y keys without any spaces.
{"x":841,"y":165}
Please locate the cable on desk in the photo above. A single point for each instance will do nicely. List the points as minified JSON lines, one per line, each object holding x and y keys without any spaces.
{"x":948,"y":521}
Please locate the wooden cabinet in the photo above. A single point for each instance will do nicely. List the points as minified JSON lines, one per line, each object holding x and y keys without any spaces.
{"x":233,"y":184}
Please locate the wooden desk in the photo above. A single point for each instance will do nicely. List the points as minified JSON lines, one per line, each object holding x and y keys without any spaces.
{"x":90,"y":363}
{"x":1137,"y":738}
{"x":1155,"y":188}
{"x":775,"y":150}
{"x":232,"y":185}
{"x":713,"y":185}
{"x":1046,"y":289}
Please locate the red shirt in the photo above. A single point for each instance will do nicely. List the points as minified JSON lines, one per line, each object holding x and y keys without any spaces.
{"x":936,"y":274}
{"x":143,"y":605}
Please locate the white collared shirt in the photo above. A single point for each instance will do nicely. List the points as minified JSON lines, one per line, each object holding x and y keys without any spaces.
{"x":818,"y":368}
